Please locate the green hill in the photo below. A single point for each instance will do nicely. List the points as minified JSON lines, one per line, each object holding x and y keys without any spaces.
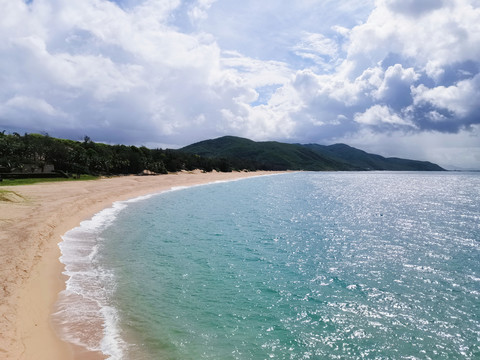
{"x":35,"y":155}
{"x":271,"y":155}
{"x":366,"y":161}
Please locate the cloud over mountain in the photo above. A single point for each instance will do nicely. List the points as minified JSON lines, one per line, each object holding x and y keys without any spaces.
{"x":178,"y":71}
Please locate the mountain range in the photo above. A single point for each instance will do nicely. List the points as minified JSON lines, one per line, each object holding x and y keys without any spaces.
{"x":274,"y":155}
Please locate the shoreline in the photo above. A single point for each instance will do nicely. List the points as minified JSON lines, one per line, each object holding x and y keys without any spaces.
{"x":31,"y":273}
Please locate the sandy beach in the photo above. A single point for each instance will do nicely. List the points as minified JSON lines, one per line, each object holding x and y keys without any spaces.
{"x":33,"y":218}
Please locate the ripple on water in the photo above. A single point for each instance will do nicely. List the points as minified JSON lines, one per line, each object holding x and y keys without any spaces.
{"x":301,"y":266}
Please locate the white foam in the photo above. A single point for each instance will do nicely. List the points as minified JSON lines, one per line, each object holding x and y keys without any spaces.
{"x":112,"y":344}
{"x":471,"y":277}
{"x":83,"y":312}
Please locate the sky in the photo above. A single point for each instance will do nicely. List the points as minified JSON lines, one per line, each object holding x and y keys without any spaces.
{"x":393,"y":77}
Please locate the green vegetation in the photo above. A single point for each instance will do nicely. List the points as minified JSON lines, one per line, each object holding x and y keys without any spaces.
{"x":362,"y":160}
{"x":280,"y":156}
{"x":30,"y":181}
{"x":270,"y":155}
{"x":44,"y":158}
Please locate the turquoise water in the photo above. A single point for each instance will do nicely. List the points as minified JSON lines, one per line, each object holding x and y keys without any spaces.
{"x":370,"y":265}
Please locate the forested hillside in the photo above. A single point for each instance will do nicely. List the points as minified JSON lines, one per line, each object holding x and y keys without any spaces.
{"x":269,"y":155}
{"x":281,"y":156}
{"x":32,"y":153}
{"x":36,"y":154}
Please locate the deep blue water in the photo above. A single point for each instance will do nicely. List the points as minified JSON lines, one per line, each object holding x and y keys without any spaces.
{"x":373,"y":265}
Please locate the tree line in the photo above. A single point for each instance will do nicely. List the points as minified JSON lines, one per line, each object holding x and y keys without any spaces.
{"x":19,"y":153}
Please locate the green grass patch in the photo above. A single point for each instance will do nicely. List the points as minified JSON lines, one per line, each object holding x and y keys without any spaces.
{"x":15,"y":182}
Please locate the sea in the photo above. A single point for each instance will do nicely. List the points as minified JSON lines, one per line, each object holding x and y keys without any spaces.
{"x":306,"y":265}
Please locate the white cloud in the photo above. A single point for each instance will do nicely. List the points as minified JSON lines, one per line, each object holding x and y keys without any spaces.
{"x":459,"y":98}
{"x":448,"y":35}
{"x":124,"y":60}
{"x":34,"y":113}
{"x":38,"y":106}
{"x":435,"y":116}
{"x":396,"y":80}
{"x":434,"y":70}
{"x":270,"y":30}
{"x":380,"y":115}
{"x":199,"y":11}
{"x":254,"y":72}
{"x":175,"y":72}
{"x":341,"y":30}
{"x":317,"y":44}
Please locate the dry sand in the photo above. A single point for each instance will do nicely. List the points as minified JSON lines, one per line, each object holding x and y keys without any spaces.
{"x":32,"y":220}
